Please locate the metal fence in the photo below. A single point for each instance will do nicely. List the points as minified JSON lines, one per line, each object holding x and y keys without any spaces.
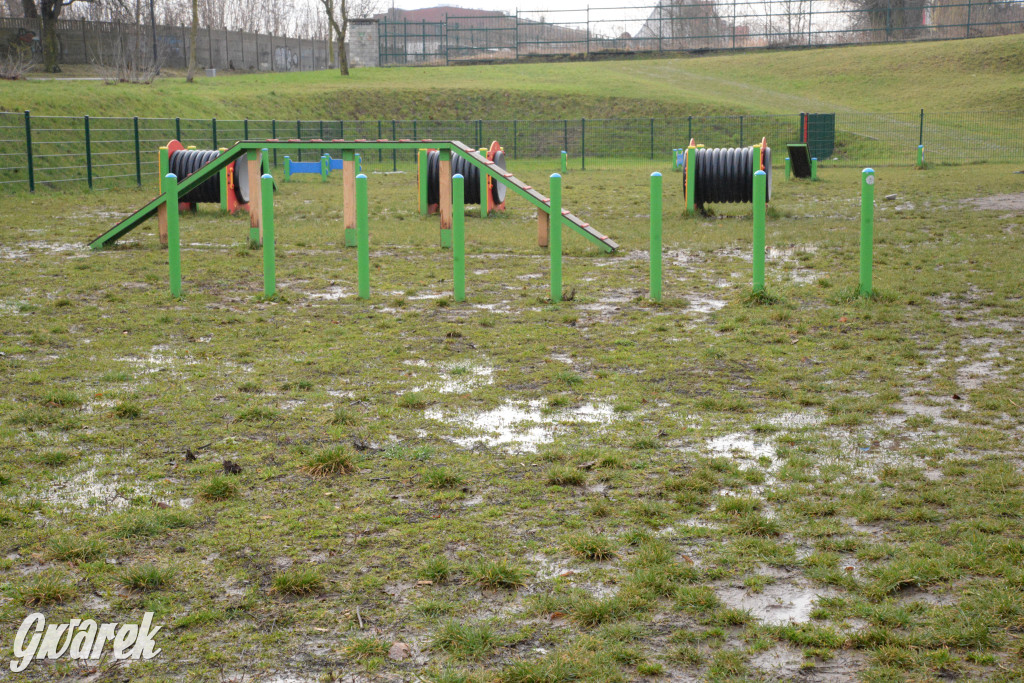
{"x":112,"y":152}
{"x":687,"y":25}
{"x":114,"y":44}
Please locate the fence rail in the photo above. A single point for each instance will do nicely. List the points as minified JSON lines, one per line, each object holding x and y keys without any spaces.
{"x":102,"y":152}
{"x":688,"y":25}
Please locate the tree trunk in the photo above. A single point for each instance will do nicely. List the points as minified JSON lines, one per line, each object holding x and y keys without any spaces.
{"x":192,"y":36}
{"x":51,"y":45}
{"x":342,"y":35}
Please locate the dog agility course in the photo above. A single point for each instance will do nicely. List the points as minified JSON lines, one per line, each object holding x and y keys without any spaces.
{"x":473,"y":412}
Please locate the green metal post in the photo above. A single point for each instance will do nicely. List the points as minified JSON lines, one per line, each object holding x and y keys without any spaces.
{"x":789,"y":168}
{"x":691,"y":178}
{"x":267,"y":198}
{"x":287,"y":167}
{"x":920,"y":129}
{"x":88,"y":152}
{"x":867,"y":229}
{"x":177,"y":129}
{"x":325,"y":168}
{"x":363,"y":230}
{"x":760,"y":189}
{"x":814,"y":168}
{"x":459,"y":236}
{"x":164,"y":167}
{"x":351,"y":235}
{"x":565,"y":161}
{"x":422,"y":158}
{"x":583,"y":144}
{"x":656,"y":236}
{"x":264,"y":160}
{"x":359,"y":162}
{"x":273,"y":134}
{"x":652,"y":140}
{"x":170,"y":191}
{"x":222,"y":179}
{"x":394,"y":152}
{"x":28,"y":152}
{"x":483,"y":190}
{"x":555,"y":237}
{"x":298,"y":134}
{"x":213,"y":129}
{"x":138,"y":155}
{"x":245,"y":129}
{"x":920,"y":156}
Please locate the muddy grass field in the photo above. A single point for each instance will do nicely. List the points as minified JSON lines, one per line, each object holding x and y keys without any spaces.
{"x":317,"y":488}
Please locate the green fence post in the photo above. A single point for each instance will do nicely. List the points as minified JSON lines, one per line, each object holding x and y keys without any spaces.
{"x":325,"y":168}
{"x":359,"y":162}
{"x":789,"y":168}
{"x":459,"y":236}
{"x":652,"y":140}
{"x":483,"y":193}
{"x":656,"y":236}
{"x":565,"y":161}
{"x":691,"y":178}
{"x":565,"y":134}
{"x":555,"y":237}
{"x":177,"y":129}
{"x":920,"y":156}
{"x":920,"y":129}
{"x":363,"y":230}
{"x":88,"y":152}
{"x":287,"y":168}
{"x":741,"y":130}
{"x":267,"y":199}
{"x":213,"y":131}
{"x":394,"y":152}
{"x":28,"y":152}
{"x":583,"y":144}
{"x":760,"y":185}
{"x":164,"y":167}
{"x":422,"y":179}
{"x":814,"y":168}
{"x":380,"y":134}
{"x":170,"y":191}
{"x":138,"y":155}
{"x":298,"y":135}
{"x":273,"y":134}
{"x":867,"y":229}
{"x":245,"y":128}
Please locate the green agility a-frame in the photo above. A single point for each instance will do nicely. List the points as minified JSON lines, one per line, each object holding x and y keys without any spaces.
{"x":252,"y":149}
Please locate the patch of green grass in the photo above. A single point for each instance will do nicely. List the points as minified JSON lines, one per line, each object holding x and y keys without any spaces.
{"x":218,"y":489}
{"x":61,"y":398}
{"x":46,"y":588}
{"x":591,"y":546}
{"x":68,"y":548}
{"x":301,"y":581}
{"x":466,"y":641}
{"x":257,"y":414}
{"x":442,"y":478}
{"x":366,"y":648}
{"x":437,"y":568}
{"x":146,"y":577}
{"x":330,"y":461}
{"x":496,"y":574}
{"x":566,"y":475}
{"x":55,"y":458}
{"x":127,"y":410}
{"x":413,"y":400}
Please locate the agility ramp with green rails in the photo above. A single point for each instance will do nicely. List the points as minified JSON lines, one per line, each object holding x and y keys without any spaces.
{"x":252,"y":149}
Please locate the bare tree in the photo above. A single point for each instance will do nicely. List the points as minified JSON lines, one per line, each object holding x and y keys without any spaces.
{"x":344,"y":10}
{"x":192,"y":35}
{"x":48,"y":11}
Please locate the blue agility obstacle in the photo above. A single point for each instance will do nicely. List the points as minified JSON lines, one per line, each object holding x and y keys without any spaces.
{"x":322,"y":168}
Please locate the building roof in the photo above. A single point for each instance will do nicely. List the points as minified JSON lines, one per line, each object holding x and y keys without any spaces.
{"x":435,"y":13}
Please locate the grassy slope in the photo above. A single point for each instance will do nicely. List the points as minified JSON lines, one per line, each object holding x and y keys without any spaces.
{"x":981,"y":74}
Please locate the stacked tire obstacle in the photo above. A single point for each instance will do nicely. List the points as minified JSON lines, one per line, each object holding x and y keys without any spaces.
{"x":724,"y":175}
{"x":183,"y":162}
{"x":471,"y":174}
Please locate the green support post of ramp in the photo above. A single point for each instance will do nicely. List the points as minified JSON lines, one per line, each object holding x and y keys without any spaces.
{"x":760,"y":190}
{"x":359,"y":162}
{"x":222,"y":178}
{"x":867,"y":229}
{"x":814,"y":168}
{"x":267,"y":199}
{"x":264,"y":161}
{"x":351,"y":236}
{"x":691,"y":178}
{"x":459,"y":236}
{"x":287,"y":168}
{"x":325,"y":168}
{"x":164,"y":167}
{"x":170,"y":191}
{"x":483,"y":189}
{"x":656,"y":237}
{"x":363,"y":230}
{"x":88,"y":151}
{"x":422,"y":180}
{"x":555,"y":237}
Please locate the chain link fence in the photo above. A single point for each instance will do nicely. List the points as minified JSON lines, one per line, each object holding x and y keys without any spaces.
{"x":100,"y":152}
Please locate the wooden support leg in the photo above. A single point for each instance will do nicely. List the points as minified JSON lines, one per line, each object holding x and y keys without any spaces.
{"x":543,"y":228}
{"x":445,"y":196}
{"x":161,"y":216}
{"x":255,"y":198}
{"x":348,"y":195}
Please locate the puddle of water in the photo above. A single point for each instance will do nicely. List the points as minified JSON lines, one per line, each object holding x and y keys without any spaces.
{"x":156,"y":360}
{"x":421,"y":297}
{"x":87,"y":490}
{"x":26,"y":249}
{"x":778,"y":603}
{"x":459,"y":379}
{"x":705,"y":304}
{"x":333,"y":293}
{"x":974,"y":375}
{"x":521,"y":427}
{"x":741,"y":446}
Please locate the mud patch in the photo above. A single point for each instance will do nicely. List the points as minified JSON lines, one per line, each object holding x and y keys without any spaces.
{"x":1013,"y":203}
{"x":789,"y":600}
